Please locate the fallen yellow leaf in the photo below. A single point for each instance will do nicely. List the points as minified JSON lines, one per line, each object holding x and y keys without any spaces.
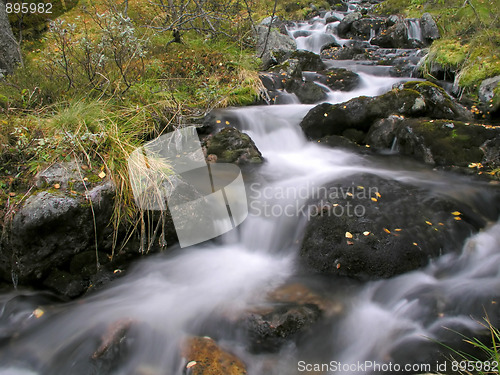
{"x":374,"y":199}
{"x":428,"y":222}
{"x":457,"y":218}
{"x":348,"y":235}
{"x":387,"y":230}
{"x":338,"y":265}
{"x":366,"y":233}
{"x":38,"y":313}
{"x":414,"y":243}
{"x":378,"y":194}
{"x":398,"y":230}
{"x":102,"y":174}
{"x":456,"y":213}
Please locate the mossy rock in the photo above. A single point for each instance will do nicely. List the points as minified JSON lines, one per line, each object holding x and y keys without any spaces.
{"x":436,"y":142}
{"x":204,"y":357}
{"x":413,"y":99}
{"x":232,"y":146}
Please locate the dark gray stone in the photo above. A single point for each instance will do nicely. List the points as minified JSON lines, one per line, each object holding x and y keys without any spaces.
{"x":430,"y":30}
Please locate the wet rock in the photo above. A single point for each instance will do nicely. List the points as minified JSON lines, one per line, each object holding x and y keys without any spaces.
{"x":232,"y":146}
{"x":395,"y":36}
{"x":204,"y":357}
{"x":430,"y":30}
{"x":365,"y":28}
{"x":333,"y":18}
{"x":491,"y":151}
{"x":414,"y":99}
{"x":307,"y":92}
{"x":337,"y":141}
{"x":437,"y":142}
{"x":339,"y":79}
{"x":51,"y":227}
{"x":339,"y":6}
{"x":385,"y":227}
{"x":269,"y":329}
{"x":65,"y":284}
{"x":345,"y":25}
{"x":308,"y":61}
{"x":345,"y":53}
{"x":300,"y":294}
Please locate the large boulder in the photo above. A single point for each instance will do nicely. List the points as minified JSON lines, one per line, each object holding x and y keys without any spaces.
{"x":437,"y":142}
{"x":430,"y":30}
{"x":365,"y":28}
{"x":308,"y":61}
{"x":395,"y":36}
{"x":232,"y":146}
{"x":370,"y":227}
{"x":271,"y":45}
{"x":345,"y":25}
{"x":414,"y":99}
{"x":51,"y":227}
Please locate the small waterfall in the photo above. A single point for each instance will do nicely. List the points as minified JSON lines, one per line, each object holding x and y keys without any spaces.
{"x":394,"y":146}
{"x":414,"y":29}
{"x":372,"y":35}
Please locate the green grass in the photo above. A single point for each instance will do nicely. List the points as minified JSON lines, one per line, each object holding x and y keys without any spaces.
{"x":486,"y":362}
{"x":44,"y":119}
{"x":470,"y":30}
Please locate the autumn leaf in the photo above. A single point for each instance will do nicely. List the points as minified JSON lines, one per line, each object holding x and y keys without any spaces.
{"x":387,"y":230}
{"x":458,"y":218}
{"x":102,"y":174}
{"x":57,"y":186}
{"x":348,"y":235}
{"x":366,"y":233}
{"x":38,"y":313}
{"x":374,"y":199}
{"x":456,"y":213}
{"x":428,"y":222}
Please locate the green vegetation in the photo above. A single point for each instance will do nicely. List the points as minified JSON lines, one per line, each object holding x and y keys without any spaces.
{"x":470,"y":30}
{"x":101,"y":80}
{"x":489,"y":353}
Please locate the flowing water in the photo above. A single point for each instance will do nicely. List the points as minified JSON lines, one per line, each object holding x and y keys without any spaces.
{"x":168,"y":297}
